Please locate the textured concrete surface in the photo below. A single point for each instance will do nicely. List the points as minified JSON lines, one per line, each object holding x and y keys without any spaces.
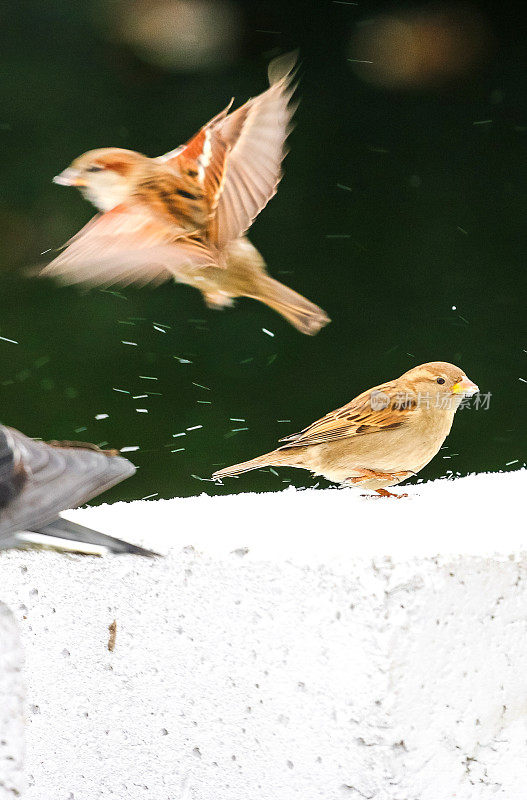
{"x":301,"y":665}
{"x":11,"y":708}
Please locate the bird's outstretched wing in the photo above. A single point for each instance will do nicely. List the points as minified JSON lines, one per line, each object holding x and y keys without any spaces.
{"x":51,"y":479}
{"x":125,"y":246}
{"x":378,"y":409}
{"x":239,"y":156}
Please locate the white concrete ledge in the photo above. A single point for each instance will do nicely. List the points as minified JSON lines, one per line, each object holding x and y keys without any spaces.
{"x":11,"y":708}
{"x":296,"y":646}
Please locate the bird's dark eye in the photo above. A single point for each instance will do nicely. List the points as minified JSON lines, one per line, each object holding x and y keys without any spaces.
{"x":440,"y":380}
{"x":94,"y":169}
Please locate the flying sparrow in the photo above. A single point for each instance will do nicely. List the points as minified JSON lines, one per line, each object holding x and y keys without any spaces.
{"x":184,"y":215}
{"x":39,"y":480}
{"x":380,"y":438}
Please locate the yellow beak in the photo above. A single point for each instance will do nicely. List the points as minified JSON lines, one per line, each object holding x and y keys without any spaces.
{"x":69,"y":177}
{"x":465,"y":386}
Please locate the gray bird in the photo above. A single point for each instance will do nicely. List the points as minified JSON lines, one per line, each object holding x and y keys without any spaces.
{"x":38,"y":480}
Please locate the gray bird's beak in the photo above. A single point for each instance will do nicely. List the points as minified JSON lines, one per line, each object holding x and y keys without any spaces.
{"x":69,"y":177}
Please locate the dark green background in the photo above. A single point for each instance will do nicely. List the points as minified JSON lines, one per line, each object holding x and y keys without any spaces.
{"x":389,"y":286}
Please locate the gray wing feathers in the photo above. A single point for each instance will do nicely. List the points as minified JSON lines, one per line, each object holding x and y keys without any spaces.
{"x":73,"y":532}
{"x":56,"y":479}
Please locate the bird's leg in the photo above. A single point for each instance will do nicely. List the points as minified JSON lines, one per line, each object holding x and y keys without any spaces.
{"x":372,"y":474}
{"x":389,"y":477}
{"x":218,"y":300}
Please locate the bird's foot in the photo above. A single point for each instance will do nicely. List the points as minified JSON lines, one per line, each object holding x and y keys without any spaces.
{"x":218,"y":300}
{"x":386,"y":493}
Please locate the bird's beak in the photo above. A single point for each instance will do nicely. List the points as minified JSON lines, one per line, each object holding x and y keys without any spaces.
{"x":466,"y":387}
{"x":69,"y":177}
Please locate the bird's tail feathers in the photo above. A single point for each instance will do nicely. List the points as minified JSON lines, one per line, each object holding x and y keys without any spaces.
{"x":267,"y":460}
{"x":306,"y":317}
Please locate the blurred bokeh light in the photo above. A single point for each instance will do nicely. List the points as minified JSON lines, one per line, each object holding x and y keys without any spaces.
{"x":426,"y":46}
{"x":177,"y":35}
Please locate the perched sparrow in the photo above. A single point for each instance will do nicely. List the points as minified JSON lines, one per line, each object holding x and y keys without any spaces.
{"x":183,"y":215}
{"x":39,"y":480}
{"x":380,"y":438}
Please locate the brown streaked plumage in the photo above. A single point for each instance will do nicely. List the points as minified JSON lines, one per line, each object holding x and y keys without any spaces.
{"x":380,"y":438}
{"x":184,"y":215}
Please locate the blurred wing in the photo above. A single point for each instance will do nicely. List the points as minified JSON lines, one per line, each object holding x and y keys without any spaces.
{"x":56,"y":479}
{"x":239,"y":156}
{"x":256,"y":135}
{"x":378,"y":409}
{"x":12,"y":476}
{"x":125,"y":246}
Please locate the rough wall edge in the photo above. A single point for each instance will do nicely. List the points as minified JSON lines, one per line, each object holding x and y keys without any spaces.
{"x":11,"y":707}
